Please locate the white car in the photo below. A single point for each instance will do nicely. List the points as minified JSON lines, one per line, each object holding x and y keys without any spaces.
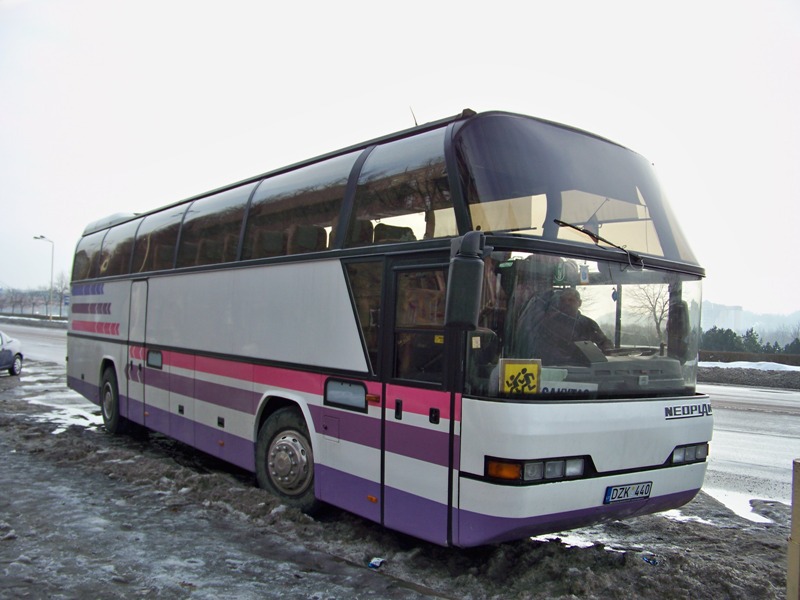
{"x":10,"y":354}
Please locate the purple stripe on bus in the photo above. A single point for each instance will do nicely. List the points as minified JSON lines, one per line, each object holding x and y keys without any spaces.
{"x":234,"y":398}
{"x":415,"y":515}
{"x":348,"y":491}
{"x":236,"y":450}
{"x":353,"y":427}
{"x":182,"y":429}
{"x":132,"y":409}
{"x":156,"y":378}
{"x":418,"y":442}
{"x":88,"y":289}
{"x":475,"y":529}
{"x":181,"y":385}
{"x":85,"y":389}
{"x":214,"y":393}
{"x":156,"y":419}
{"x":212,"y":440}
{"x":91,"y":308}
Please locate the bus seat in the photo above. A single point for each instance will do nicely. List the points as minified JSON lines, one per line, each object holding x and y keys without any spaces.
{"x":269,"y":243}
{"x":80,"y":269}
{"x":209,"y":252}
{"x":231,"y":247}
{"x":360,"y":233}
{"x":385,"y":234}
{"x":307,"y":238}
{"x":115,"y":264}
{"x":164,"y":257}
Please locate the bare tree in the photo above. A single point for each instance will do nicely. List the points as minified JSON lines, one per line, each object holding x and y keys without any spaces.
{"x":651,"y":302}
{"x":17,"y":298}
{"x":61,"y":288}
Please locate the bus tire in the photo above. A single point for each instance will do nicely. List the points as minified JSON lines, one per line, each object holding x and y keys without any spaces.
{"x":16,"y":367}
{"x":285,"y":460}
{"x":113,"y":421}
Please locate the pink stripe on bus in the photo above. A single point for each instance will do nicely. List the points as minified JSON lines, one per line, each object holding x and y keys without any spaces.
{"x":180,"y":361}
{"x":420,"y":401}
{"x":224,"y":368}
{"x":96,"y":327}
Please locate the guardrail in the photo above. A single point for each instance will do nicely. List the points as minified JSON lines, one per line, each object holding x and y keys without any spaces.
{"x":34,"y":321}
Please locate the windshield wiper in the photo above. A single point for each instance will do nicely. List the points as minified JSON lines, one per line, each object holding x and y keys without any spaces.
{"x":597,"y":238}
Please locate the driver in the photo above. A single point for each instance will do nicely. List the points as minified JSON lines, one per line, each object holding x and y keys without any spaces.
{"x":565,"y":324}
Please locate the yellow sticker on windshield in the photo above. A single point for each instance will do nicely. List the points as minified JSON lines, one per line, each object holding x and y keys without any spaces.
{"x":519,"y":375}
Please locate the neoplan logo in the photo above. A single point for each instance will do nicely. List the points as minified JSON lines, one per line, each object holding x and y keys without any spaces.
{"x":689,"y":411}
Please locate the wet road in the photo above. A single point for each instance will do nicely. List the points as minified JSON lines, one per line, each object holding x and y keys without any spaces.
{"x":756,"y":439}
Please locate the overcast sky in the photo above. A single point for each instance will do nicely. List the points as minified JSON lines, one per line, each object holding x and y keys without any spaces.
{"x":122,"y":106}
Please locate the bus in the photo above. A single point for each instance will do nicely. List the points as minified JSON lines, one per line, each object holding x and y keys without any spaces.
{"x":472,"y":331}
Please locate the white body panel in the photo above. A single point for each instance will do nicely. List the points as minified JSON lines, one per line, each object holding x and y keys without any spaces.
{"x":296,"y":313}
{"x":617,"y":435}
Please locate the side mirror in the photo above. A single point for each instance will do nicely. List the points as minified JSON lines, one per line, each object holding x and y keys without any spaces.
{"x":465,"y":281}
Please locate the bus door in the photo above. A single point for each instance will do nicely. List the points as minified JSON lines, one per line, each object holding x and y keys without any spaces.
{"x":134,"y":368}
{"x":417,"y":461}
{"x":148,"y":378}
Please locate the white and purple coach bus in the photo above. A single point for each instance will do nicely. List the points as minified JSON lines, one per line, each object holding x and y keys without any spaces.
{"x":394,"y":329}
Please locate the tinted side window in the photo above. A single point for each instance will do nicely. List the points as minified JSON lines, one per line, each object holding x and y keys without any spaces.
{"x":117,"y":249}
{"x":211,"y":228}
{"x":419,"y":325}
{"x":297,"y":212}
{"x":402,"y":193}
{"x":155,"y":243}
{"x":365,"y":282}
{"x":87,"y":256}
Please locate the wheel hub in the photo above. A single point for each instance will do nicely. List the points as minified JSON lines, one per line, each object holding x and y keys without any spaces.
{"x":288,"y":463}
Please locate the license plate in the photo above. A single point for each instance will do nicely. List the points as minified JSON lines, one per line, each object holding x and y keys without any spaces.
{"x":626,"y":493}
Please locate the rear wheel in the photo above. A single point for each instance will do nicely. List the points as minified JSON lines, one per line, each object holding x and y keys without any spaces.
{"x":16,"y":367}
{"x":109,"y":404}
{"x":285,"y":460}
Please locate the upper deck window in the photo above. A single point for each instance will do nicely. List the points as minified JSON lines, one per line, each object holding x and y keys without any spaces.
{"x":155,"y":242}
{"x":211,"y":228}
{"x":297,"y":212}
{"x":115,"y":257}
{"x":87,"y":256}
{"x":519,"y":174}
{"x":402,"y":193}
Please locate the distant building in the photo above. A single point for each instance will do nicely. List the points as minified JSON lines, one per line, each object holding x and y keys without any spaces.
{"x":721,"y":316}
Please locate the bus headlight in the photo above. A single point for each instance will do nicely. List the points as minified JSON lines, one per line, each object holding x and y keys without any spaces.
{"x":689,"y":454}
{"x":535,"y":470}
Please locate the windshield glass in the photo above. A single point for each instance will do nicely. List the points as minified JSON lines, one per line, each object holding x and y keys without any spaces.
{"x":520,"y":175}
{"x":554,"y":327}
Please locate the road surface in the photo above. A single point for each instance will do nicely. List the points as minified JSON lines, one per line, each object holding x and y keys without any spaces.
{"x":756,"y":439}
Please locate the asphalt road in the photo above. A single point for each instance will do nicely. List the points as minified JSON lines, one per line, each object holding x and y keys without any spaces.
{"x":756,"y":440}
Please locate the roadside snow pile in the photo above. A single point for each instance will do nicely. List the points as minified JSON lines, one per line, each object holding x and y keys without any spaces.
{"x":759,"y":366}
{"x":781,"y":376}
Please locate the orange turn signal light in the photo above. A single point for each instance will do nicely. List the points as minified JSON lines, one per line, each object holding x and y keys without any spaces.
{"x":503,"y":470}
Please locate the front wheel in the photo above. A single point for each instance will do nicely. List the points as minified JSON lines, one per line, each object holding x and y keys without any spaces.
{"x":16,"y":367}
{"x":109,"y":404}
{"x":285,"y":460}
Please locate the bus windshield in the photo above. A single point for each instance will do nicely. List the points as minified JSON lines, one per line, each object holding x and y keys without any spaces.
{"x":521,"y":174}
{"x":554,"y":327}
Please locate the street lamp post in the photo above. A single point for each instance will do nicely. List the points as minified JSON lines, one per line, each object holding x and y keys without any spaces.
{"x":52,"y":258}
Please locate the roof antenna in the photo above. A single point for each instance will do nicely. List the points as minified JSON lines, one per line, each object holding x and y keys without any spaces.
{"x":414,"y":116}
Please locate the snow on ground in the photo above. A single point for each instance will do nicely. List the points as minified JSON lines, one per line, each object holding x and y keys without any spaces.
{"x":759,"y":366}
{"x":70,"y":408}
{"x":171,"y":496}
